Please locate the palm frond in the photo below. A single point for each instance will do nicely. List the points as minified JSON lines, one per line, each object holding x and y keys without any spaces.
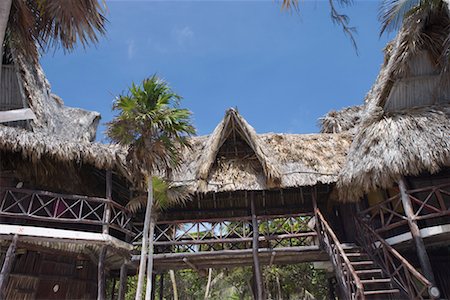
{"x":165,"y":195}
{"x":338,"y":18}
{"x":54,"y":22}
{"x":153,"y":125}
{"x":393,"y":12}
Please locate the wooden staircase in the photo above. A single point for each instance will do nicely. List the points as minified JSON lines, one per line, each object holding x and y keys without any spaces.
{"x":374,"y":271}
{"x":375,"y":283}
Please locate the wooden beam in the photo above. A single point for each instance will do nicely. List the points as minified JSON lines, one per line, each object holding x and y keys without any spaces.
{"x":194,"y":267}
{"x":255,"y":246}
{"x":150,"y":278}
{"x":7,"y":266}
{"x":123,"y":280}
{"x":101,"y":275}
{"x":108,"y":190}
{"x":415,"y":232}
{"x":16,"y":115}
{"x":145,"y":235}
{"x":272,"y":258}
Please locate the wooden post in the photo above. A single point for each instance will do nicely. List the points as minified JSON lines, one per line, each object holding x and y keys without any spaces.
{"x":7,"y":266}
{"x":161,"y":286}
{"x":256,"y":265}
{"x":415,"y":232}
{"x":123,"y":280}
{"x":150,"y":278}
{"x":108,"y":189}
{"x":145,"y":235}
{"x":101,"y":275}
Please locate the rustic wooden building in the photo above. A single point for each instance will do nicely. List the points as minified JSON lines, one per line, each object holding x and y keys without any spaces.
{"x":63,"y":224}
{"x":397,"y":167}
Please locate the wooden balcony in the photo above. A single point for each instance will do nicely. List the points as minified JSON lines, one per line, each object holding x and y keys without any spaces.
{"x":59,"y":214}
{"x":431,"y":208}
{"x":228,"y":242}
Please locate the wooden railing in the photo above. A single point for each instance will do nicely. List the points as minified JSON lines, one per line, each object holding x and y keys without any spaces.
{"x":414,"y":284}
{"x":43,"y":206}
{"x":350,"y":282}
{"x":428,"y":203}
{"x":231,"y":233}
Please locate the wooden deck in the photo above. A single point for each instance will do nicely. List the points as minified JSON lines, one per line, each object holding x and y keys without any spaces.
{"x":236,"y":258}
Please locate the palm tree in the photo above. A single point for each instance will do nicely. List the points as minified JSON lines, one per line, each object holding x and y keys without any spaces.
{"x":45,"y":23}
{"x":154,"y":128}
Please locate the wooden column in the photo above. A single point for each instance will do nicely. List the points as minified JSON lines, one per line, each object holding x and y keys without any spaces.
{"x":101,"y":275}
{"x":108,"y":190}
{"x":256,"y":265}
{"x":150,"y":277}
{"x":7,"y":266}
{"x":145,"y":234}
{"x":123,"y":280}
{"x":415,"y":232}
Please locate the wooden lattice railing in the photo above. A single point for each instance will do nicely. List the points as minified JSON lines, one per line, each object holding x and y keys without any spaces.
{"x":231,"y":233}
{"x":428,"y":203}
{"x":43,"y":206}
{"x":345,"y":273}
{"x":414,"y":284}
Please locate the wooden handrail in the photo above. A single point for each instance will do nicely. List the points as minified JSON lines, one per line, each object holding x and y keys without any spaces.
{"x":403,"y":273}
{"x":40,"y":206}
{"x":359,"y":293}
{"x":396,"y":254}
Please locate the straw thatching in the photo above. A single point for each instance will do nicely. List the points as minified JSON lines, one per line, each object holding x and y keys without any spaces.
{"x":299,"y":159}
{"x":404,"y":128}
{"x":406,"y":143}
{"x":231,"y":126}
{"x":346,"y":119}
{"x":52,"y":117}
{"x":33,"y":146}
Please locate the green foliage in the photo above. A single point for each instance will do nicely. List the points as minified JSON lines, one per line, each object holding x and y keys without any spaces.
{"x":165,"y":194}
{"x":152,"y":125}
{"x":233,"y":284}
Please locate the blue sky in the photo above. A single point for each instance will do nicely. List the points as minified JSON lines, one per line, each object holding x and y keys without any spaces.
{"x":281,"y":70}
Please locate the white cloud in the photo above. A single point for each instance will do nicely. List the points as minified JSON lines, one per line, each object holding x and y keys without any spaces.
{"x":183,"y":36}
{"x":131,"y":49}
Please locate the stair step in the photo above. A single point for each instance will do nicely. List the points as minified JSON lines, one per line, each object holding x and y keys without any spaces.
{"x":382,"y":292}
{"x":376,"y":280}
{"x":369,"y":271}
{"x":356,"y":254}
{"x":362,"y":263}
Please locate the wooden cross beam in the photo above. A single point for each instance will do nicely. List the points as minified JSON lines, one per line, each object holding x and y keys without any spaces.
{"x":17,"y":115}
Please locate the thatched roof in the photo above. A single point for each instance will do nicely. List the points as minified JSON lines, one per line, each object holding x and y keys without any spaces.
{"x":346,"y":119}
{"x":296,"y":159}
{"x":35,"y":145}
{"x":405,"y":143}
{"x":231,"y":126}
{"x":52,"y":116}
{"x":404,"y":128}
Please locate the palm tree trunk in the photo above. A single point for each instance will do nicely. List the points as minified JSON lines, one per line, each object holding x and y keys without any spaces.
{"x":208,"y":285}
{"x":174,"y":284}
{"x":145,"y":235}
{"x":5,"y":8}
